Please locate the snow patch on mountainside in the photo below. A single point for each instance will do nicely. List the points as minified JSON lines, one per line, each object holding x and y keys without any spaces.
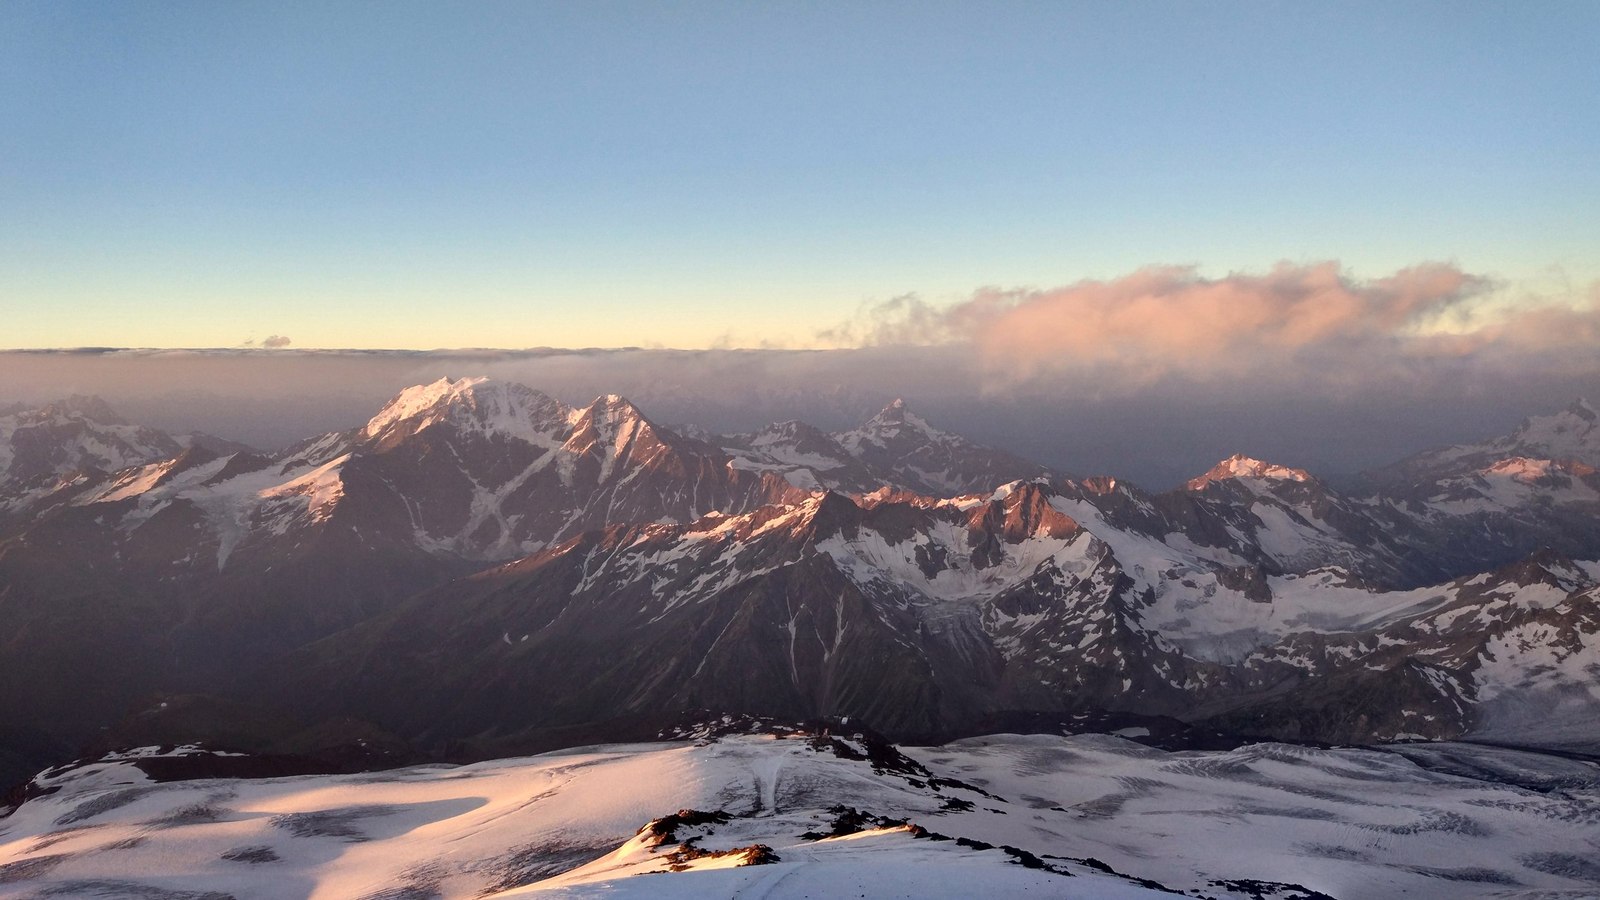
{"x":320,"y":489}
{"x":1512,"y":484}
{"x":868,"y":557}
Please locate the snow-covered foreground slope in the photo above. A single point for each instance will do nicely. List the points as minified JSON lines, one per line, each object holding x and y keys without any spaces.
{"x":791,"y":814}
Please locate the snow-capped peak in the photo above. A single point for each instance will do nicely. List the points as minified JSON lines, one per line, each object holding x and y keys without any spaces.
{"x":476,"y":403}
{"x":1572,"y":433}
{"x":75,"y":433}
{"x":615,"y":405}
{"x":611,"y":425}
{"x":607,"y":411}
{"x":1578,"y":416}
{"x":888,"y":425}
{"x":896,"y":414}
{"x":1241,"y":466}
{"x":1521,"y":468}
{"x":778,"y":432}
{"x":80,"y":406}
{"x":1531,"y":471}
{"x":419,"y":400}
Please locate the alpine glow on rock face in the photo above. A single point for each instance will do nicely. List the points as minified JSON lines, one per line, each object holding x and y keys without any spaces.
{"x":843,"y":450}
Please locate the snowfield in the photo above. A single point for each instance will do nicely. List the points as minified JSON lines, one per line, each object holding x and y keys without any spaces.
{"x":802,"y":815}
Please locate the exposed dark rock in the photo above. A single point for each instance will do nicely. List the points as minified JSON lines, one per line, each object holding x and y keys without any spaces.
{"x":254,"y":855}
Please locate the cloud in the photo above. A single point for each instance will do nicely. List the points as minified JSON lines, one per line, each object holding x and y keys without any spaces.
{"x":275,"y":342}
{"x":1298,"y":322}
{"x":1152,"y":377}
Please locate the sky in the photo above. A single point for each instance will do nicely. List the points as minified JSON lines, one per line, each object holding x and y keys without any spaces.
{"x":700,"y":175}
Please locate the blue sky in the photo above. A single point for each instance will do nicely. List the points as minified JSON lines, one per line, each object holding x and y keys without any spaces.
{"x":603,"y":174}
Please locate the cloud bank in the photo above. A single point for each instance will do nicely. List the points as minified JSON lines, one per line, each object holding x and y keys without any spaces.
{"x":1311,"y":323}
{"x":1152,"y":376}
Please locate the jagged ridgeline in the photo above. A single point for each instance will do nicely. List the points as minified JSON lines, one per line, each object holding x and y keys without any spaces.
{"x":482,"y":569}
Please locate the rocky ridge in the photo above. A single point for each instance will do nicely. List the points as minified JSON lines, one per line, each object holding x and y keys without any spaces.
{"x":568,"y":566}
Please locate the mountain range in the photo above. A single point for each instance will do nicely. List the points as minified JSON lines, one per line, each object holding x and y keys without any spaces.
{"x":481,"y":569}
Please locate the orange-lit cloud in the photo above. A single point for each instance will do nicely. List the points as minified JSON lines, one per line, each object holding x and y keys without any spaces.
{"x":1153,"y":376}
{"x":1169,"y":320}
